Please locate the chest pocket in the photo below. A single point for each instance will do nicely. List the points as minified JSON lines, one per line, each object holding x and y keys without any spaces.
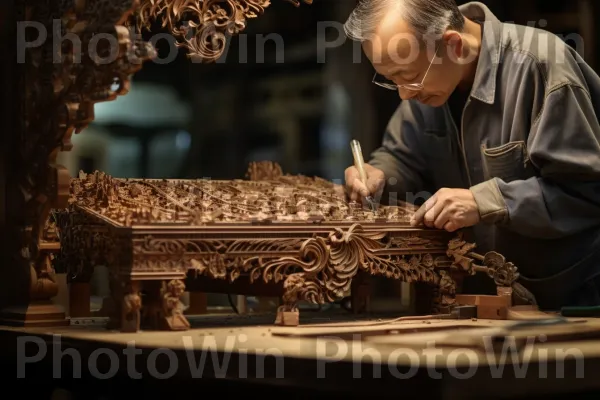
{"x":508,"y":162}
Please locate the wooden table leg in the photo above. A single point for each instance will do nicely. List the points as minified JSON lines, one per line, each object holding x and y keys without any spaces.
{"x":79,"y":299}
{"x":198,"y":304}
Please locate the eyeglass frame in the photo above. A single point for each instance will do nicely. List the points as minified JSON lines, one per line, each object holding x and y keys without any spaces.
{"x":415,"y":87}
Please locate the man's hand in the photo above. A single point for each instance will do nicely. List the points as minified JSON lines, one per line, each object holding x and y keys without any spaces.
{"x":357,"y":190}
{"x":449,"y":209}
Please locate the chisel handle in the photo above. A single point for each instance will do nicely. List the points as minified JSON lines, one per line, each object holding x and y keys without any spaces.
{"x":359,"y":161}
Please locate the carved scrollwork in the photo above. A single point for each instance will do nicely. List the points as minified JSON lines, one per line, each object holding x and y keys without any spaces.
{"x":413,"y":240}
{"x":312,"y":258}
{"x":505,"y":274}
{"x":325,"y":264}
{"x":84,"y":243}
{"x":354,"y":250}
{"x":202,"y":26}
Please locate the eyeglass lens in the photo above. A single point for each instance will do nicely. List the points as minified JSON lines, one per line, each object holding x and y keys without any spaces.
{"x":386,"y":83}
{"x":383,"y":81}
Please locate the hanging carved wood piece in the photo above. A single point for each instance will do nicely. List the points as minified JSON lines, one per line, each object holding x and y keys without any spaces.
{"x":202,"y":27}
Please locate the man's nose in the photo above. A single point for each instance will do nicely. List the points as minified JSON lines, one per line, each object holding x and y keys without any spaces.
{"x":406,"y":94}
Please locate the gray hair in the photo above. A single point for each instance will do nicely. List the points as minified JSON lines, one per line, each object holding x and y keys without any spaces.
{"x":426,"y":17}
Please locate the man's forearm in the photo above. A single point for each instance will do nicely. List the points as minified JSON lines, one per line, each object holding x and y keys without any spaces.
{"x":538,"y":207}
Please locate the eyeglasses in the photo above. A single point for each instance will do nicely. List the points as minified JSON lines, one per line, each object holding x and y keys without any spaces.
{"x":415,"y":87}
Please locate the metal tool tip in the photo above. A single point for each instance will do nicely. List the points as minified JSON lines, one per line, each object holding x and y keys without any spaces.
{"x":371,"y":203}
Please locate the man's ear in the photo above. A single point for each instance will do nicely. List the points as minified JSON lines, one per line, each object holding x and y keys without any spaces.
{"x":454,"y":42}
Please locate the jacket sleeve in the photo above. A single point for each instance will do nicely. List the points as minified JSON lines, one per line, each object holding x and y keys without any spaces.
{"x":564,"y":196}
{"x":400,"y":157}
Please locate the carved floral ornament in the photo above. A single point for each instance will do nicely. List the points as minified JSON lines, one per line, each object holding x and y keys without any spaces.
{"x":202,"y":26}
{"x":330,"y":262}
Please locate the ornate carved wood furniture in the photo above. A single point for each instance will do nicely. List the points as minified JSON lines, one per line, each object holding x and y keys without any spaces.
{"x":272,"y":228}
{"x":62,"y":83}
{"x":154,"y":233}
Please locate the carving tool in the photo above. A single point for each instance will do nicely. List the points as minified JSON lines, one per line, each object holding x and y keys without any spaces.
{"x":359,"y":163}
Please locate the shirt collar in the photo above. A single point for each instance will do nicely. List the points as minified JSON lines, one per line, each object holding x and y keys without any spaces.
{"x":484,"y":85}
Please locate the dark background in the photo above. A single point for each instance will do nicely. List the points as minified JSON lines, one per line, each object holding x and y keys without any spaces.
{"x":188,"y":120}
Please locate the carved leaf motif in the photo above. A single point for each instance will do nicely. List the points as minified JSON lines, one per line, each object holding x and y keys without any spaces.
{"x":178,"y":5}
{"x":198,"y":265}
{"x":234,"y":274}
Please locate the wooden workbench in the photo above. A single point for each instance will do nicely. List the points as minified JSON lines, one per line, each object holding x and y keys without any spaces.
{"x":244,"y":351}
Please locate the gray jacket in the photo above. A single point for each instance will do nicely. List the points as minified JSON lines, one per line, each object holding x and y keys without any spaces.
{"x":530,"y":155}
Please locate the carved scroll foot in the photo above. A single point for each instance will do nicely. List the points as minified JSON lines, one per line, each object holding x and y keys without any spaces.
{"x":287,"y":316}
{"x":130,"y":308}
{"x":445,"y":293}
{"x":172,"y":307}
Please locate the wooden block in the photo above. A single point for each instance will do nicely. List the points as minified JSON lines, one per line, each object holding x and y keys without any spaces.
{"x":466,"y":299}
{"x":287,"y":318}
{"x":505,"y":291}
{"x":497,"y":301}
{"x":492,"y":312}
{"x":478,"y":299}
{"x":488,"y":307}
{"x":527,"y":313}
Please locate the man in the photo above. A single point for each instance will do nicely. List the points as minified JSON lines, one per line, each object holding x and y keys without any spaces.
{"x":500,"y":123}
